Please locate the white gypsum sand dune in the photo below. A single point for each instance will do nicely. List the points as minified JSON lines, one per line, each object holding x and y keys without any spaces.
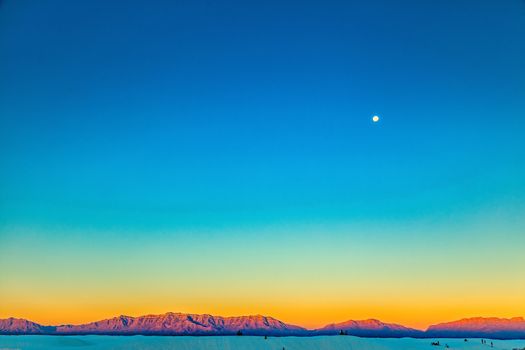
{"x":94,"y":342}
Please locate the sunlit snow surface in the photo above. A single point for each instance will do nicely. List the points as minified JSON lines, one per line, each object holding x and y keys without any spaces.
{"x":243,"y":343}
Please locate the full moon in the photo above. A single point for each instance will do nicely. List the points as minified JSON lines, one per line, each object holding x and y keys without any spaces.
{"x":375,"y":118}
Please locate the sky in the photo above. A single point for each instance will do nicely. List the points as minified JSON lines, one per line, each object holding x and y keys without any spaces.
{"x":219,"y":157}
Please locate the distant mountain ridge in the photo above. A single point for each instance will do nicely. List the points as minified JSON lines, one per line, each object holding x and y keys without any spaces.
{"x":503,"y":328}
{"x":195,"y":324}
{"x":165,"y":324}
{"x":184,"y":324}
{"x":20,"y":326}
{"x":369,"y":328}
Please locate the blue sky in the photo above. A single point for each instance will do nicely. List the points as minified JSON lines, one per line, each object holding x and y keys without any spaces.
{"x":233,"y":117}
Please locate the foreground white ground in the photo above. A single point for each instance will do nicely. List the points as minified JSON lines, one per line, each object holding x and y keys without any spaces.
{"x":242,"y":343}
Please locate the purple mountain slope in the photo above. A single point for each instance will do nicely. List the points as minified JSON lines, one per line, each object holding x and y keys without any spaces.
{"x":20,"y":326}
{"x":184,"y":324}
{"x":166,"y":324}
{"x":369,"y":328}
{"x":504,"y":328}
{"x":192,"y":324}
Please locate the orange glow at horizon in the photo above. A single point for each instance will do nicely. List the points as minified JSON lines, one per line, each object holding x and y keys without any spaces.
{"x":349,"y":277}
{"x":414,"y":315}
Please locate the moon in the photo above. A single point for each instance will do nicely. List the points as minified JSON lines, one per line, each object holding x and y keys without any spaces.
{"x":375,"y":118}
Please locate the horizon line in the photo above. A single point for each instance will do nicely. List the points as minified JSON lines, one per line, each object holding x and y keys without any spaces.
{"x":268,"y":316}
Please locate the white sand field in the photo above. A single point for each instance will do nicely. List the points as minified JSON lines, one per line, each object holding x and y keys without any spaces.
{"x":243,"y":343}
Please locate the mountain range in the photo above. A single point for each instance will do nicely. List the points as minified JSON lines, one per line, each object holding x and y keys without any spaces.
{"x":194,"y":324}
{"x":498,"y":328}
{"x":368,"y":328}
{"x":166,"y":324}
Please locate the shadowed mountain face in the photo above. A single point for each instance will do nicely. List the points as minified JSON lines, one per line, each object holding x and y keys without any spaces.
{"x":191,"y":324}
{"x":369,"y":328}
{"x":504,"y":328}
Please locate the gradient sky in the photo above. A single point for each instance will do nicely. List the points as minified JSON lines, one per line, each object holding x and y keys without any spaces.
{"x":219,"y":157}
